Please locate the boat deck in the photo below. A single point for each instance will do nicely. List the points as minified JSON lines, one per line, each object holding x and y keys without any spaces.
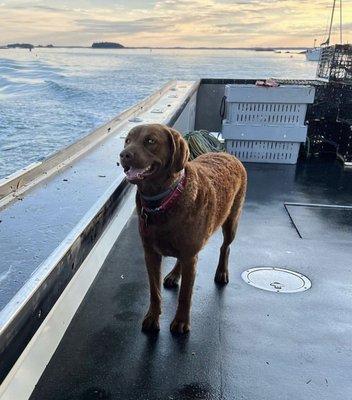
{"x":245,"y":343}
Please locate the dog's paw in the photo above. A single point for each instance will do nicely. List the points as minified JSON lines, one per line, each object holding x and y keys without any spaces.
{"x":151,"y":323}
{"x":178,"y":326}
{"x":171,"y":280}
{"x":221,"y":277}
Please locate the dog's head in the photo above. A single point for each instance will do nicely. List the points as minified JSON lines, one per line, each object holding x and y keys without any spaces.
{"x":153,"y":151}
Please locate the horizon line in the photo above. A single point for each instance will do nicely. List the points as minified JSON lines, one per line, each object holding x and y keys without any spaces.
{"x":4,"y":46}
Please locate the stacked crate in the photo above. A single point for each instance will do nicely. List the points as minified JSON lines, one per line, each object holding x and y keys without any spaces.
{"x":266,"y":124}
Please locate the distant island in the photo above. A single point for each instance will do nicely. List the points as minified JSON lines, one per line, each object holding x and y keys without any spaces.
{"x":107,"y":45}
{"x":263,"y":49}
{"x":26,"y":46}
{"x":20,"y":45}
{"x":113,"y":45}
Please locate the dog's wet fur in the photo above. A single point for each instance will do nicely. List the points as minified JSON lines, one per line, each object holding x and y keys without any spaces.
{"x":153,"y":158}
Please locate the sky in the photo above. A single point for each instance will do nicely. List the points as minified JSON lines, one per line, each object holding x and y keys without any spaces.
{"x":208,"y":23}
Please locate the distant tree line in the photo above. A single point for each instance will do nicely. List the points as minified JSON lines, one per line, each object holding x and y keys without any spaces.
{"x":107,"y":45}
{"x":25,"y":46}
{"x":20,"y":45}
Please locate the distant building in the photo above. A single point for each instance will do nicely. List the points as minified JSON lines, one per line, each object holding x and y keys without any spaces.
{"x":107,"y":45}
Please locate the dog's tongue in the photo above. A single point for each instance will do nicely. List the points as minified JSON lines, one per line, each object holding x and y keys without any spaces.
{"x":134,"y":173}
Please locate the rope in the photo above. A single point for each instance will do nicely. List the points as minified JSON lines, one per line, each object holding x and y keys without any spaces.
{"x":201,"y":142}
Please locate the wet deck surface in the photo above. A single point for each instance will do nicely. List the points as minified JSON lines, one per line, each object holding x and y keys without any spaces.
{"x":245,"y":343}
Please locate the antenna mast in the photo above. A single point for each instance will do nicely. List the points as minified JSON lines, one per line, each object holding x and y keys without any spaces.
{"x":340,"y":21}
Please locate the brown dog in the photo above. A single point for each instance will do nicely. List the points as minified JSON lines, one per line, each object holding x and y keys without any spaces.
{"x":180,"y":205}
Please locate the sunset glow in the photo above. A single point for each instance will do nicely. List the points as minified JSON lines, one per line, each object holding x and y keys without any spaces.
{"x":217,"y":23}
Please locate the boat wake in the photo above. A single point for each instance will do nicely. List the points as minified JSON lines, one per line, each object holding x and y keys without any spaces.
{"x":27,"y":78}
{"x":5,"y":275}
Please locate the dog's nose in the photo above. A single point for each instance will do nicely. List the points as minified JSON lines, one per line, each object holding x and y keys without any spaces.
{"x":126,"y":155}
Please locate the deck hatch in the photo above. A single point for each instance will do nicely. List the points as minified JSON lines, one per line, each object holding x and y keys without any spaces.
{"x":277,"y":280}
{"x":320,"y":221}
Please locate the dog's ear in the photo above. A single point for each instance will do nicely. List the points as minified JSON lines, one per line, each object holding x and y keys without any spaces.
{"x":179,"y":151}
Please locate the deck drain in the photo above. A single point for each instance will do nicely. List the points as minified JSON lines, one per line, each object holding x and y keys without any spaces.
{"x":278,"y":280}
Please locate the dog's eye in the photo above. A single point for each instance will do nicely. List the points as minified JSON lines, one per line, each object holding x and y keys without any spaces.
{"x":127,"y":141}
{"x":150,"y":141}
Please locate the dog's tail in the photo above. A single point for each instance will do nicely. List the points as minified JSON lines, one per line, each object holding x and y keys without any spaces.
{"x":242,"y":190}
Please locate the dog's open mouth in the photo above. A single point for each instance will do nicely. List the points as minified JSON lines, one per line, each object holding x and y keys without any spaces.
{"x":138,"y":174}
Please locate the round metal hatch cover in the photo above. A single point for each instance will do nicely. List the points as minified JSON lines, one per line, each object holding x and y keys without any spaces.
{"x":278,"y":280}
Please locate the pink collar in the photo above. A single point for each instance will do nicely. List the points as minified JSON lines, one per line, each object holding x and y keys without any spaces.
{"x":166,"y":204}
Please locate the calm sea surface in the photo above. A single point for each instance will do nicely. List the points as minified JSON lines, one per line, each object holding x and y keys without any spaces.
{"x":51,"y":97}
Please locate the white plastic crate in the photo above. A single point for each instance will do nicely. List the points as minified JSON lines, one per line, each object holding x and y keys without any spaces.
{"x":266,"y":113}
{"x":266,"y":124}
{"x":263,"y":151}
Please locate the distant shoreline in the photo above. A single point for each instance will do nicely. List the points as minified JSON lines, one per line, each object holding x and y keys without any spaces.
{"x":259,"y":49}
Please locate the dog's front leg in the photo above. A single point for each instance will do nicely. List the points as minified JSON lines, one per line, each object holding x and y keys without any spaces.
{"x":153,"y":263}
{"x":181,"y":322}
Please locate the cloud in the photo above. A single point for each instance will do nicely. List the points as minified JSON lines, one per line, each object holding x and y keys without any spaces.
{"x":150,"y":24}
{"x":37,"y":7}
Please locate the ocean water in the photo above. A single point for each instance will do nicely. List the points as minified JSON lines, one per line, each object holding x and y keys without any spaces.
{"x":51,"y":97}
